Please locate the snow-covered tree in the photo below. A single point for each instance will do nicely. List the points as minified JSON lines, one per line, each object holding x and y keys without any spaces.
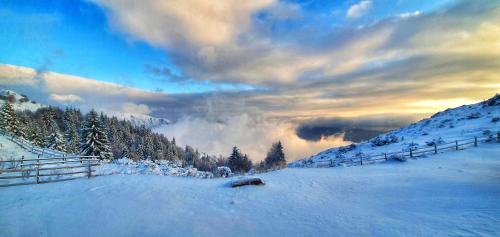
{"x":94,"y":139}
{"x":34,"y":134}
{"x":275,"y":157}
{"x":56,"y":141}
{"x":8,"y":119}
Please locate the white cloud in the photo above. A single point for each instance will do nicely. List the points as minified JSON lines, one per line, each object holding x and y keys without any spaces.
{"x":252,"y":135}
{"x":197,"y":22}
{"x":359,"y":9}
{"x":135,"y":109}
{"x":11,"y":75}
{"x":410,"y":14}
{"x":67,"y":98}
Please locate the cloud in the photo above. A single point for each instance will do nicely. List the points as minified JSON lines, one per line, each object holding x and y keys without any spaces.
{"x":354,"y":129}
{"x":199,"y":22}
{"x":11,"y":75}
{"x":359,"y":9}
{"x":136,"y":109}
{"x":252,"y":134}
{"x":68,"y":98}
{"x":394,"y":67}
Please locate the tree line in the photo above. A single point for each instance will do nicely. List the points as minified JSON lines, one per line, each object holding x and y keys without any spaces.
{"x":110,"y":138}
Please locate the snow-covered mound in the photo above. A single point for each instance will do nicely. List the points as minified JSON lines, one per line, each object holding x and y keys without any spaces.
{"x":454,"y":195}
{"x":462,"y":122}
{"x":20,"y":102}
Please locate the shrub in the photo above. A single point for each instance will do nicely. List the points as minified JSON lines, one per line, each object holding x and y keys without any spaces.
{"x":223,"y":171}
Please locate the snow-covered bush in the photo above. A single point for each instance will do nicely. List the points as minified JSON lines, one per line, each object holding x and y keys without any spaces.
{"x":223,"y":171}
{"x":437,"y":141}
{"x":495,"y":119}
{"x":379,"y":141}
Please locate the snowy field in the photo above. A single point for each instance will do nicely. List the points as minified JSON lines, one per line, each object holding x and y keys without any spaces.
{"x":450,"y":194}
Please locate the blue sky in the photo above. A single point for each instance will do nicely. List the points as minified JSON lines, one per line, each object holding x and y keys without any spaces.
{"x":75,"y":37}
{"x":248,"y":73}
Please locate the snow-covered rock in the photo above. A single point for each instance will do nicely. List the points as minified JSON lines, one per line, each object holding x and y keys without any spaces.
{"x":458,"y":123}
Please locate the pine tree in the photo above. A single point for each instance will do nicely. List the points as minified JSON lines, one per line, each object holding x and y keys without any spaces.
{"x":56,"y":141}
{"x":8,"y":119}
{"x":238,"y":162}
{"x":34,"y":134}
{"x":94,"y":139}
{"x":275,"y":157}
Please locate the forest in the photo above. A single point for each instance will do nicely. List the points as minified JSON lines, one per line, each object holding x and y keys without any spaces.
{"x":110,"y":138}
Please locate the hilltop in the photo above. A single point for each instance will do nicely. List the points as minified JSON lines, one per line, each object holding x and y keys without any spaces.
{"x":465,"y":121}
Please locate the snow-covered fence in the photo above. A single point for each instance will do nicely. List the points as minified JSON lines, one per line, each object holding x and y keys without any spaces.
{"x":35,"y":149}
{"x":412,"y":152}
{"x":48,"y":170}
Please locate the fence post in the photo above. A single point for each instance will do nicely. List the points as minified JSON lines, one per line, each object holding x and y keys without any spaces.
{"x":361,"y":158}
{"x":498,"y":136}
{"x":475,"y":141}
{"x":385,"y":156}
{"x":37,"y":171}
{"x":22,"y":159}
{"x":456,"y":144}
{"x":411,"y":152}
{"x":435,"y":148}
{"x":331,"y":162}
{"x":89,"y":169}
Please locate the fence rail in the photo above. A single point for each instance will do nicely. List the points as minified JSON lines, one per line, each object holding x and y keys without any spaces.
{"x":61,"y":167}
{"x":412,"y":152}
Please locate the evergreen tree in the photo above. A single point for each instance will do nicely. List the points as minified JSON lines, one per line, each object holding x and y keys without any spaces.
{"x":94,"y":139}
{"x":8,"y":119}
{"x":239,"y":163}
{"x":34,"y":134}
{"x":56,"y":141}
{"x":275,"y":157}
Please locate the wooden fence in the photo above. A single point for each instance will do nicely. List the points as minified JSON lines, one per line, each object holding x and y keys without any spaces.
{"x":412,"y":152}
{"x":41,"y":170}
{"x":35,"y":149}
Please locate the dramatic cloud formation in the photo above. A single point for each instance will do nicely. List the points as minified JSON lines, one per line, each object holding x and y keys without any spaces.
{"x":252,"y":134}
{"x":308,"y":81}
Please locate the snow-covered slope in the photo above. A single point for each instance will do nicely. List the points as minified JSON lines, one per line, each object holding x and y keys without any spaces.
{"x":21,"y":102}
{"x":463,"y":122}
{"x":451,"y":194}
{"x":146,"y":120}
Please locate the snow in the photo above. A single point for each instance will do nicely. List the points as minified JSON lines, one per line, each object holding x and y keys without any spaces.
{"x":19,"y":105}
{"x":145,"y":120}
{"x":12,"y":151}
{"x":466,"y":121}
{"x":451,"y":194}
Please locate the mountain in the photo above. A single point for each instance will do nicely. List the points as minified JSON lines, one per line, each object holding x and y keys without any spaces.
{"x":22,"y":102}
{"x":146,"y":120}
{"x":465,"y":121}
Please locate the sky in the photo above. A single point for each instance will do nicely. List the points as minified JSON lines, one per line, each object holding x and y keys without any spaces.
{"x":248,"y":73}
